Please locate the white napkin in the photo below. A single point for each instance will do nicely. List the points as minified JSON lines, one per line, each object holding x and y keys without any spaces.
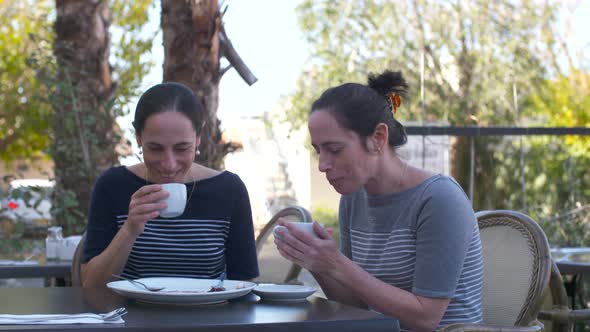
{"x":82,"y":318}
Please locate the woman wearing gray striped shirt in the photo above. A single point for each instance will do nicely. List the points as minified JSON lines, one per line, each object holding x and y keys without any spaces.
{"x":410,"y":244}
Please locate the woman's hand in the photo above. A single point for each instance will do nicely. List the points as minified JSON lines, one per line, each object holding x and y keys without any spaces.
{"x":145,"y":204}
{"x":318,"y":254}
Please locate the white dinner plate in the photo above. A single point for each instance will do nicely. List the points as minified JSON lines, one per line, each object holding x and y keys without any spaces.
{"x":186,"y":291}
{"x":284,"y":292}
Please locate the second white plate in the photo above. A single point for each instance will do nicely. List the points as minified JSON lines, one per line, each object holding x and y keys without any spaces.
{"x":284,"y":292}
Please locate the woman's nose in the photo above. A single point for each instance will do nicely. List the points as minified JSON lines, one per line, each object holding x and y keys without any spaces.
{"x":324,"y":164}
{"x":169,"y":161}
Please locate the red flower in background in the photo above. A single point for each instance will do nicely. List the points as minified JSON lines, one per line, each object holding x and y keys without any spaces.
{"x":12,"y":205}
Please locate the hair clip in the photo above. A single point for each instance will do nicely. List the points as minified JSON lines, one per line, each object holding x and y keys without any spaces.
{"x":395,"y":100}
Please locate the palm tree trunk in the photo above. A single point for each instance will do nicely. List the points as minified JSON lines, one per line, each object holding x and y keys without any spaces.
{"x":85,"y":130}
{"x":191,"y":57}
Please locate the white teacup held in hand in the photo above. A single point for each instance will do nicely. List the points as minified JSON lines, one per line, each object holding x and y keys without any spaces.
{"x":306,"y":227}
{"x":176,"y":200}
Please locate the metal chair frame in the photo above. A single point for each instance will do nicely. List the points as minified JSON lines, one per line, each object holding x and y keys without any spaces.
{"x":265,"y":232}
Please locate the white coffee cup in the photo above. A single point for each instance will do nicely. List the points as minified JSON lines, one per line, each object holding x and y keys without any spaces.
{"x":175,"y":201}
{"x":306,"y":227}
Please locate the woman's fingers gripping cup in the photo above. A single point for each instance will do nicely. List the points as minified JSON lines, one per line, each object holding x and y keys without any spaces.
{"x":145,"y":205}
{"x":305,"y":227}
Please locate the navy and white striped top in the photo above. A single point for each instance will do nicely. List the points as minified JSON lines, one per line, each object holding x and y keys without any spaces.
{"x":215,"y":232}
{"x":424,"y":240}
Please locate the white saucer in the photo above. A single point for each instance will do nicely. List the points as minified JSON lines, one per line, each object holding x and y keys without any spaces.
{"x":272,"y":292}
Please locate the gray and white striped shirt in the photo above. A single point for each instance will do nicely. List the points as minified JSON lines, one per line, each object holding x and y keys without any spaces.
{"x":424,"y":240}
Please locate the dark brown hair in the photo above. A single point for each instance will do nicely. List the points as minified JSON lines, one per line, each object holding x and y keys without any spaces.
{"x":168,"y":96}
{"x":361,"y":108}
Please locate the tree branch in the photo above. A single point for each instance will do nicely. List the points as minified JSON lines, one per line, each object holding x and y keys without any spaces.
{"x":234,"y":58}
{"x":419,"y":25}
{"x":224,"y":70}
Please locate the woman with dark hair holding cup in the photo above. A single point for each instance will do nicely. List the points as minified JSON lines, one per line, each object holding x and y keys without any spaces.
{"x":409,"y":241}
{"x":168,"y":216}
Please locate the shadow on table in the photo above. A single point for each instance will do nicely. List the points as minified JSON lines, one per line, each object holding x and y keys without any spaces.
{"x":102,"y":300}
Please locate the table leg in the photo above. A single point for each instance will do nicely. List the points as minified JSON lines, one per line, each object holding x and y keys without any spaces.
{"x":580,"y":291}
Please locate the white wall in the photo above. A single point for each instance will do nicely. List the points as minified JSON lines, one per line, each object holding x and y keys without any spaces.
{"x":258,"y":164}
{"x":430,"y":152}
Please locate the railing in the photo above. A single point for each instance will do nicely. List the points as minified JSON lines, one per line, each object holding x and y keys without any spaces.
{"x":565,"y":221}
{"x":495,"y":131}
{"x":476,"y":131}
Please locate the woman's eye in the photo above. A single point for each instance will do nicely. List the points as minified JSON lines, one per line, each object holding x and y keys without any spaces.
{"x":335,"y":150}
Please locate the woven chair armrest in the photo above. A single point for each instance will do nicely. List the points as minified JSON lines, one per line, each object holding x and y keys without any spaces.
{"x":565,"y":315}
{"x":534,"y":327}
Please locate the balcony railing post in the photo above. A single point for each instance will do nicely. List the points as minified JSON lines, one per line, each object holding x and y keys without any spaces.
{"x":471,"y":166}
{"x":522,"y":176}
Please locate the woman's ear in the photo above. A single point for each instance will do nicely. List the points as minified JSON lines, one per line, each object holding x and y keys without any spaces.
{"x":378,"y":141}
{"x":138,"y":140}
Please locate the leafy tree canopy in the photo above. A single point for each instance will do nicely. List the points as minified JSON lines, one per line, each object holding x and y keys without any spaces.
{"x":564,"y":102}
{"x":24,"y":127}
{"x":474,"y":51}
{"x":132,"y":41}
{"x":25,"y":49}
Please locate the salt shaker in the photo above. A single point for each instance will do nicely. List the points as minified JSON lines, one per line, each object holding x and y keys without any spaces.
{"x":53,"y":242}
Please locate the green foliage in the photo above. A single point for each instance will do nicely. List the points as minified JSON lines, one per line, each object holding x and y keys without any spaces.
{"x":27,"y":37}
{"x":77,"y":130}
{"x":556,"y":182}
{"x":564,"y":102}
{"x":570,"y":229}
{"x":24,"y":125}
{"x":21,"y":249}
{"x":560,"y":180}
{"x":18,"y":230}
{"x":556,"y":168}
{"x":132,"y":41}
{"x":474,"y":52}
{"x":66,"y":206}
{"x":30,"y":92}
